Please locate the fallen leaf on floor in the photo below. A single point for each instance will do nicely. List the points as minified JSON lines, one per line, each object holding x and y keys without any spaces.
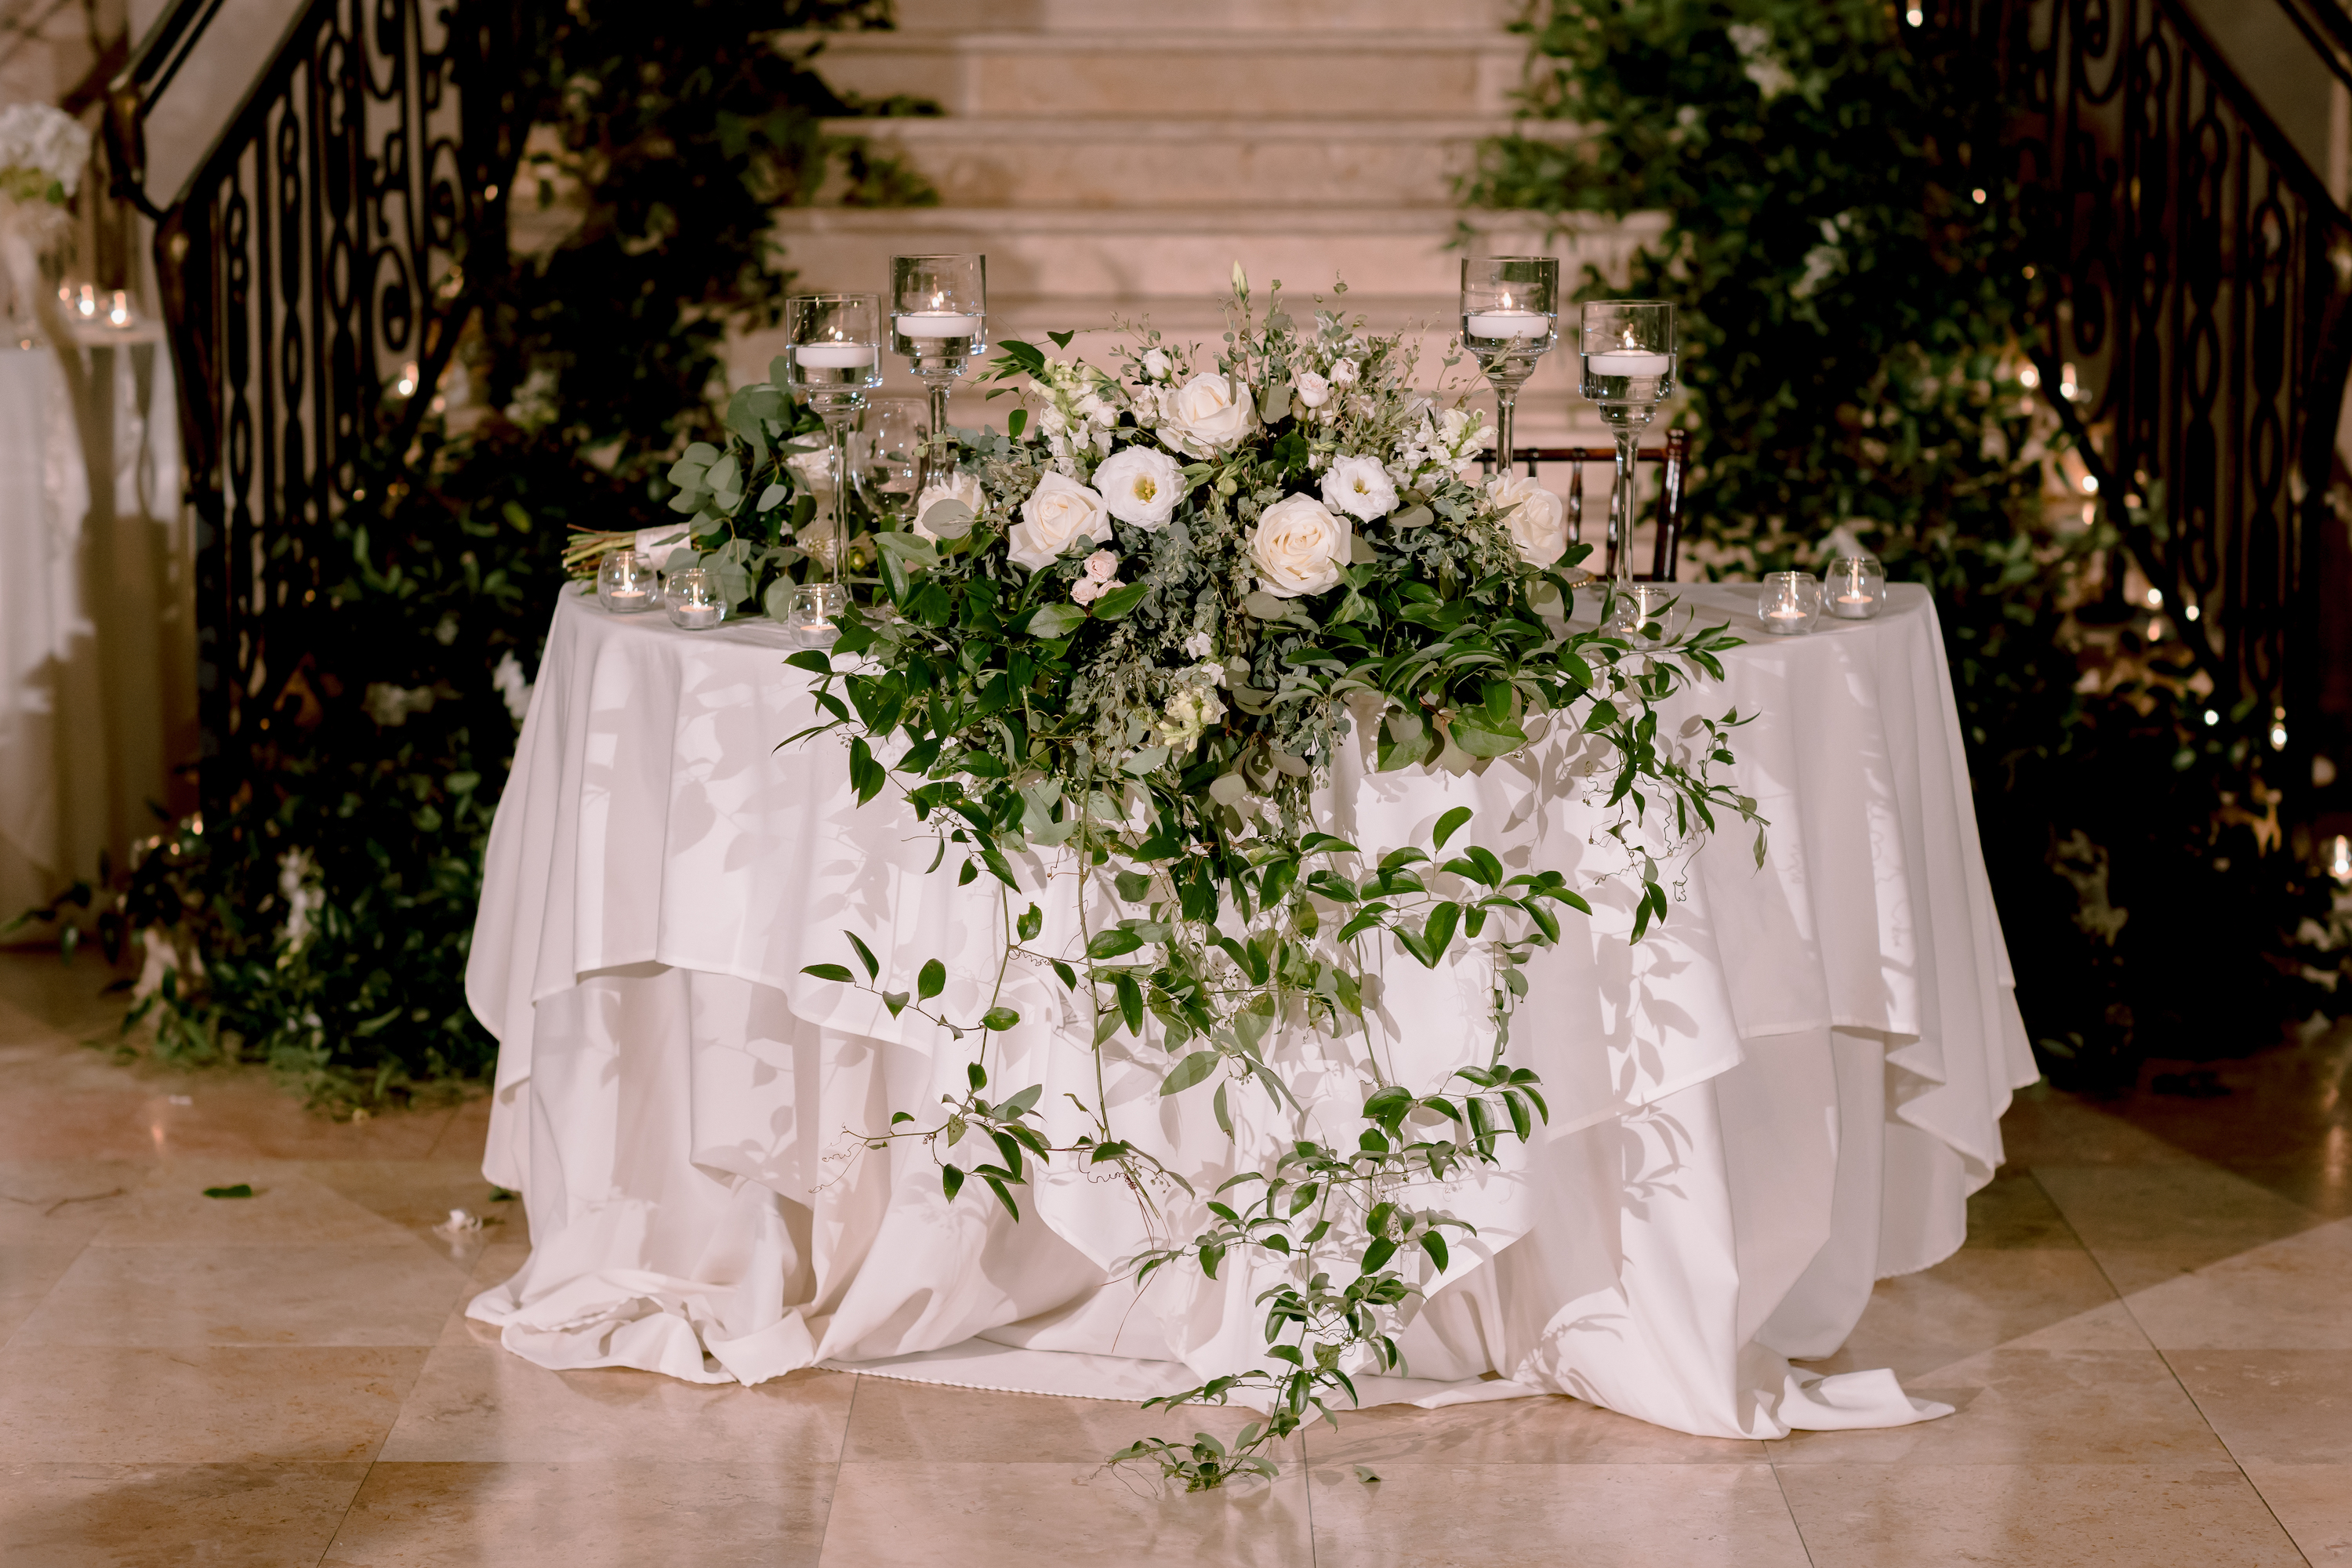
{"x":242,"y":1190}
{"x":1364,"y":1474}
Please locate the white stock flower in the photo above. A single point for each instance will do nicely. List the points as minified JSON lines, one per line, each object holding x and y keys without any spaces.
{"x":1141,"y":486}
{"x":1210,"y":413}
{"x":1059,"y":513}
{"x":1299,"y":547}
{"x":1537,"y":518}
{"x":956,"y":486}
{"x":513,"y":687}
{"x":1313,"y":391}
{"x":1359,"y":487}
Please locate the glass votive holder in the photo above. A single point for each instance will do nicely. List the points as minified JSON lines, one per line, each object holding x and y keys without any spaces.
{"x":694,"y":600}
{"x":1790,"y":603}
{"x":814,"y":619}
{"x":1857,"y":588}
{"x":627,"y":583}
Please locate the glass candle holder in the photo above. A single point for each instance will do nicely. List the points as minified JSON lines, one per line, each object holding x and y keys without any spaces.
{"x":1790,"y":603}
{"x":888,"y":452}
{"x":939,"y":320}
{"x":627,"y":583}
{"x":1510,"y":317}
{"x":815,"y":619}
{"x":694,"y":600}
{"x":1857,"y":588}
{"x":833,"y":358}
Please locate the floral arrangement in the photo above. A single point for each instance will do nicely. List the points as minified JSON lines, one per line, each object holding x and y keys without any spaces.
{"x":43,"y":151}
{"x":1128,"y":635}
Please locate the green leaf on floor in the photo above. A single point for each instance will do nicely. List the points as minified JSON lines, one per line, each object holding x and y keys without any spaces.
{"x":242,"y":1190}
{"x":1364,"y":1474}
{"x":501,"y":1196}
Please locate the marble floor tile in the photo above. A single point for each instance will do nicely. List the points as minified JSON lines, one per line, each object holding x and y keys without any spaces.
{"x":2045,"y":1126}
{"x":2012,"y":1212}
{"x":2284,"y":1407}
{"x":606,"y":1514}
{"x":1976,"y":1299}
{"x":478,"y":1403}
{"x":200,"y":1405}
{"x":933,"y":1515}
{"x":170,"y":1516}
{"x":345,"y":1295}
{"x":418,"y":1195}
{"x":2314,"y":1503}
{"x":2032,"y":1406}
{"x":899,"y":1420}
{"x":2294,"y":1293}
{"x":52,"y":1202}
{"x":2044,"y":1516}
{"x":27,"y":1271}
{"x":1555,"y":1430}
{"x":1538,"y":1516}
{"x":2148,"y":1224}
{"x":168,"y":1208}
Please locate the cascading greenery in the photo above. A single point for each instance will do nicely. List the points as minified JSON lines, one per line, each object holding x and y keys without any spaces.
{"x":1847,"y":257}
{"x":322,"y":922}
{"x":1129,"y":638}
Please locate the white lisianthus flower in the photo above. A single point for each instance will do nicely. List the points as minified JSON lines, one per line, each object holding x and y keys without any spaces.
{"x":1141,"y":486}
{"x":958,"y":487}
{"x":1359,"y":487}
{"x":1200,"y":645}
{"x":1344,"y":373}
{"x":1155,"y":364}
{"x":1211,"y":414}
{"x":1059,"y":513}
{"x":1313,"y":391}
{"x":1299,"y":547}
{"x":1191,"y":710}
{"x":1100,"y":577}
{"x":1537,"y":518}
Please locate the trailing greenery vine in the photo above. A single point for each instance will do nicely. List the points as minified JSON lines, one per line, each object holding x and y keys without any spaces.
{"x":322,"y":923}
{"x":1848,"y":258}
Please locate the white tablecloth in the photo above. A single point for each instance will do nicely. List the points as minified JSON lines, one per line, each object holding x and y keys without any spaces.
{"x":1787,"y":1093}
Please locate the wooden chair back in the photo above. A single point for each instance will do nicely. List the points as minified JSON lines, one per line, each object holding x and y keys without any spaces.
{"x":1675,"y":458}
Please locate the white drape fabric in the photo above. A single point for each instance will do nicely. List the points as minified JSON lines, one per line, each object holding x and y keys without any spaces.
{"x":1784,"y":1094}
{"x":97,"y":642}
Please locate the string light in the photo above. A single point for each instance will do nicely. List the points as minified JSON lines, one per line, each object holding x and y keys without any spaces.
{"x":2278,"y":729}
{"x":406,"y":384}
{"x":2339,"y":859}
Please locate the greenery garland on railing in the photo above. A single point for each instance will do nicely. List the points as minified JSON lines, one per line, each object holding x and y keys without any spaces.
{"x":1133,"y":635}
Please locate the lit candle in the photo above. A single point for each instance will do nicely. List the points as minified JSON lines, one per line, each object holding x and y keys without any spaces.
{"x":1628,"y":362}
{"x":1787,"y":612}
{"x":936,"y":324}
{"x":834,"y":355}
{"x":1506,"y":324}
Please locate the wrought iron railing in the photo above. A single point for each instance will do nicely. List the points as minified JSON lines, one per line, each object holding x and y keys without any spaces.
{"x":312,"y":274}
{"x":2188,"y":299}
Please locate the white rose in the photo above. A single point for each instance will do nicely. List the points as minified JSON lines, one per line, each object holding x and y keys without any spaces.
{"x":1359,"y":487}
{"x":1061,"y":512}
{"x":1102,"y":566}
{"x":1537,"y":518}
{"x":1299,"y":547}
{"x":958,"y":487}
{"x":1141,"y":486}
{"x":1344,"y":373}
{"x":1314,"y":392}
{"x":1155,"y":364}
{"x":1211,"y":413}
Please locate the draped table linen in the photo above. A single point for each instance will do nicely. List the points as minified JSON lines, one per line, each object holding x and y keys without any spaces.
{"x":1785,"y":1093}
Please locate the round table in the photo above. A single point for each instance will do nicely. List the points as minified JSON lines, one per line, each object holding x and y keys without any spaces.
{"x":1785,"y":1093}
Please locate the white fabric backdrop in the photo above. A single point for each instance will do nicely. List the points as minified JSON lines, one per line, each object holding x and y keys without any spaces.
{"x":1786,"y":1093}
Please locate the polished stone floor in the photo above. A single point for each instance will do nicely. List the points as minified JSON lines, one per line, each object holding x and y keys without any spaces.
{"x":2148,"y":1337}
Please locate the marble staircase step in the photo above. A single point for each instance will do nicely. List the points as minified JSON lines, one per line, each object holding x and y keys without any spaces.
{"x":1039,"y":162}
{"x":1199,"y":72}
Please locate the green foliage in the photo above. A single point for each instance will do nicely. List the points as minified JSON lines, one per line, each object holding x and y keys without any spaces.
{"x":1844,"y":246}
{"x":665,"y":136}
{"x":1158,"y":742}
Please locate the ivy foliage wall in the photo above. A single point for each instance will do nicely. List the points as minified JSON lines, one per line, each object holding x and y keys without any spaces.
{"x":324,"y":924}
{"x":1843,"y":244}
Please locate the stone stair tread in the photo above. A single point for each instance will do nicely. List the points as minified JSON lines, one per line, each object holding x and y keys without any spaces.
{"x":1202,"y":220}
{"x":1229,"y":16}
{"x":955,"y":128}
{"x":1160,"y":40}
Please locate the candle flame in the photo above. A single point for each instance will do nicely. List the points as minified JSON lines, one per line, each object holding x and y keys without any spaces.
{"x":939,"y":301}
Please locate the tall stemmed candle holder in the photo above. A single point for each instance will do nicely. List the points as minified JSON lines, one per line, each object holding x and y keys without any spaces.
{"x":939,"y":320}
{"x":1628,"y":369}
{"x":1509,"y":321}
{"x":834,"y":358}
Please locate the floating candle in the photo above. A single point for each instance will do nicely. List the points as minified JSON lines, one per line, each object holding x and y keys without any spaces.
{"x":834,"y":355}
{"x":1629,"y":363}
{"x":1506,"y":324}
{"x":936,"y":324}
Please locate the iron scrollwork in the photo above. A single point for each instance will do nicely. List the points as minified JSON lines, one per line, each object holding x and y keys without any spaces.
{"x":2188,"y":296}
{"x":313,"y":278}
